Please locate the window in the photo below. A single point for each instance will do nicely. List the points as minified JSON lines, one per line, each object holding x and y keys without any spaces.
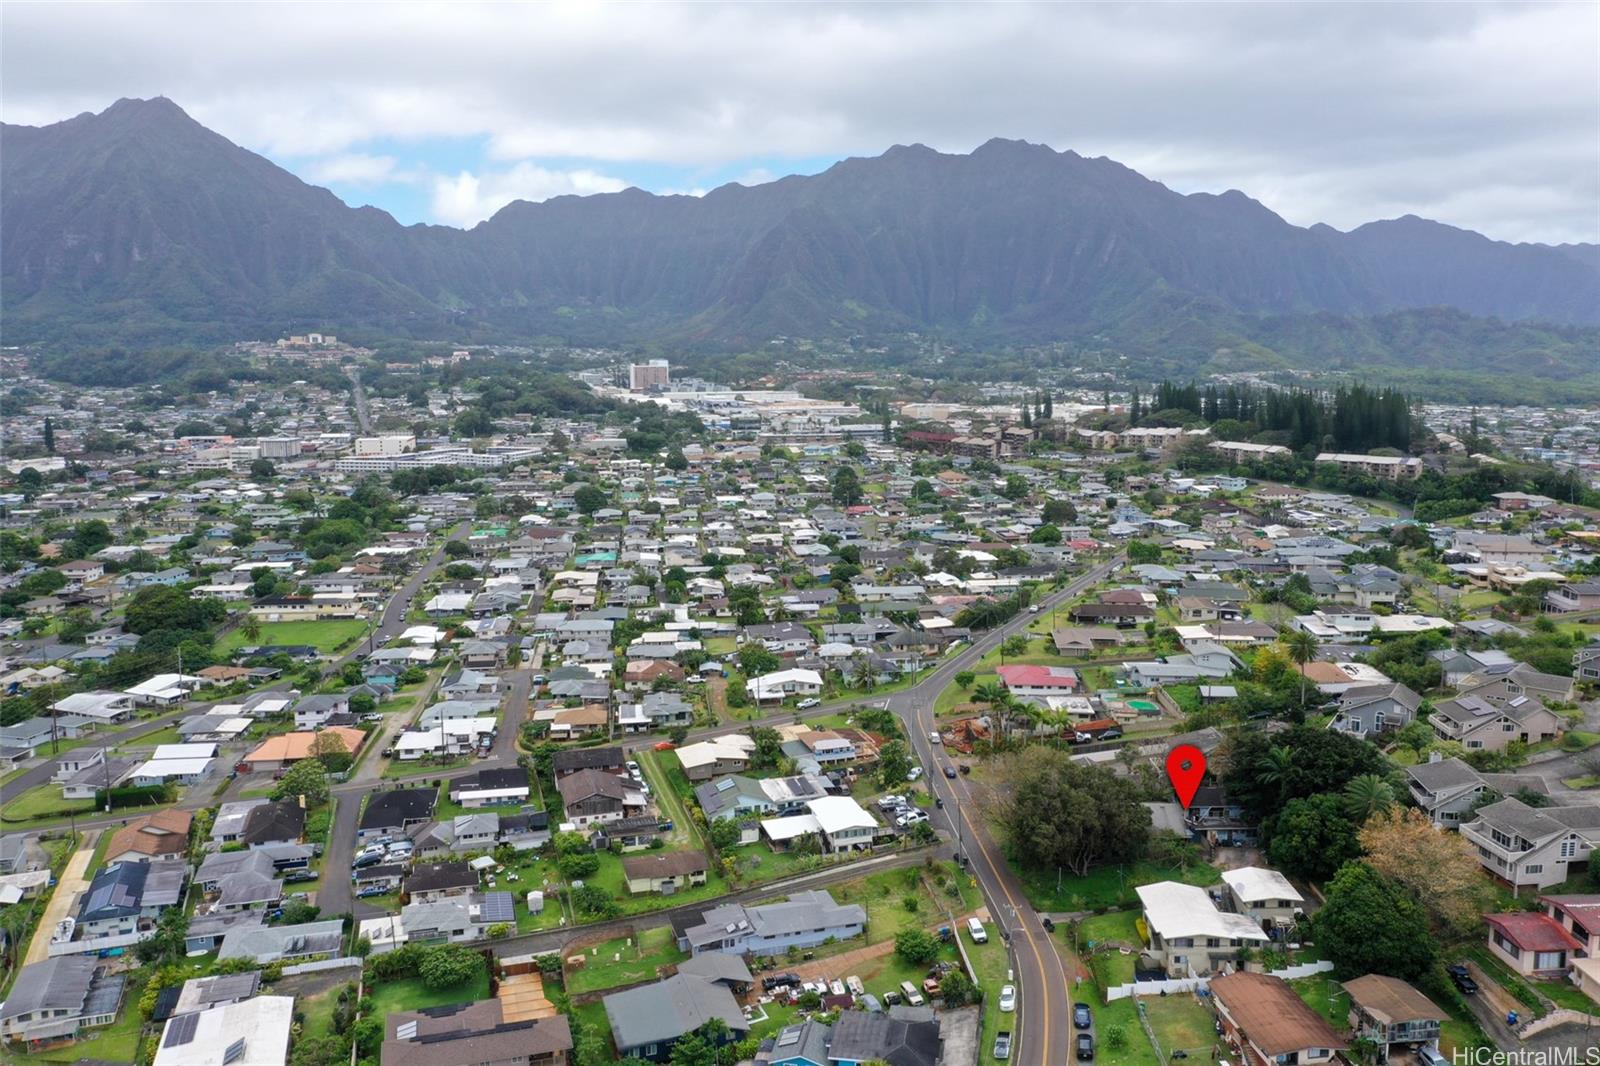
{"x":1569,"y":848}
{"x":1533,"y":868}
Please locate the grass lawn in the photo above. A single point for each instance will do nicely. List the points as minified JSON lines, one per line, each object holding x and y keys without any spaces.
{"x":1324,"y":995}
{"x":326,"y":636}
{"x":592,"y":1015}
{"x":1180,"y":1023}
{"x":617,"y":962}
{"x":954,"y":695}
{"x":1502,"y":975}
{"x":43,"y":803}
{"x":424,"y":767}
{"x":169,"y":735}
{"x":1565,"y":994}
{"x":1108,"y":886}
{"x":884,"y":896}
{"x":412,"y":994}
{"x":668,"y":787}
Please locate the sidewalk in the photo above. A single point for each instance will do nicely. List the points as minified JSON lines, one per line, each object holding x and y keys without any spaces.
{"x":72,"y":885}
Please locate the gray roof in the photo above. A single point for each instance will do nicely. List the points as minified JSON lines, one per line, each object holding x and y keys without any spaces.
{"x":270,"y":942}
{"x":859,"y":1036}
{"x":807,"y":1041}
{"x":666,"y":1010}
{"x":61,"y":983}
{"x":717,"y":966}
{"x":1444,"y":774}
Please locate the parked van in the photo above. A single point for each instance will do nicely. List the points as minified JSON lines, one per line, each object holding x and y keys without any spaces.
{"x":976,"y":931}
{"x":909,"y":990}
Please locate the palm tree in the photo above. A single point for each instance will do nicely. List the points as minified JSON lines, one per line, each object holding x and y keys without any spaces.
{"x":988,"y":692}
{"x":1302,"y":648}
{"x":1367,"y":795}
{"x":251,"y":627}
{"x":1277,"y":766}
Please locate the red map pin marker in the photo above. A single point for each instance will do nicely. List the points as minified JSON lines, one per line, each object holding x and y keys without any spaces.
{"x":1186,"y":765}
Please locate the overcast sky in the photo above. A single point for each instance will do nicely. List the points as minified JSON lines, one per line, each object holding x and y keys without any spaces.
{"x":1481,"y":116}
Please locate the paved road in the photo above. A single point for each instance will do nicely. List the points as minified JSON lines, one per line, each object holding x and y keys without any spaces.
{"x":1042,"y":1031}
{"x":362,"y":418}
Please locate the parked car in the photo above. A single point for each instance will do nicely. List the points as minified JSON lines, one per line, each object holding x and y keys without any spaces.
{"x":370,"y":891}
{"x":1429,"y":1056}
{"x":853,"y":983}
{"x":1463,"y":980}
{"x":892,"y":800}
{"x":1081,"y":1018}
{"x":808,"y":703}
{"x":367,"y":860}
{"x":1002,"y":1044}
{"x":915,"y":774}
{"x":296,"y":876}
{"x":1008,"y":998}
{"x":976,"y":931}
{"x":1085,"y":1047}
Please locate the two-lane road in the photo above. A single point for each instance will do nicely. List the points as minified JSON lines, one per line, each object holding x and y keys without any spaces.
{"x":1043,"y":1029}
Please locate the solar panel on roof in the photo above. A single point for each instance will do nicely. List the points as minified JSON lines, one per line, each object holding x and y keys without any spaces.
{"x":725,"y":784}
{"x":406,"y":1031}
{"x":181,"y":1030}
{"x":234,"y":1053}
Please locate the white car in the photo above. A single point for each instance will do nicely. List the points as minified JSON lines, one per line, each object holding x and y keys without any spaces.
{"x":910,"y":818}
{"x":916,"y":772}
{"x":371,"y":851}
{"x":1008,"y":998}
{"x":892,"y":800}
{"x":808,"y":703}
{"x":933,"y":735}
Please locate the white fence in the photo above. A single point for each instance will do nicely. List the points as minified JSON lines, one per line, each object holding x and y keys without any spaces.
{"x":1189,"y":984}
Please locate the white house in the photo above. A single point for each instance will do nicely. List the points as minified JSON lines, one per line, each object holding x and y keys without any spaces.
{"x":782,"y":684}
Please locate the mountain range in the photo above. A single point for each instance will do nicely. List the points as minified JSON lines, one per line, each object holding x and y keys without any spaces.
{"x":139,"y":223}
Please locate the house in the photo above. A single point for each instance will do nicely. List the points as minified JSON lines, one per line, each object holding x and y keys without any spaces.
{"x":1188,"y":934}
{"x":126,"y":899}
{"x":859,"y":1036}
{"x":474,"y":1032}
{"x":104,"y":706}
{"x":250,"y":1032}
{"x":57,"y":998}
{"x":1586,"y":662}
{"x":1271,"y":1025}
{"x":1393,"y":1015}
{"x":647,"y":1021}
{"x":278,"y":943}
{"x":198,"y":993}
{"x":717,"y":757}
{"x":1532,"y":944}
{"x":804,"y":920}
{"x":610,"y":760}
{"x":1121,"y":615}
{"x":591,"y":797}
{"x":1479,"y":724}
{"x":311,"y":712}
{"x":655,"y":710}
{"x":827,"y":746}
{"x":1037,"y":682}
{"x":394,"y":812}
{"x":273,"y":822}
{"x":1368,"y":710}
{"x":1218,"y":819}
{"x":430,"y":882}
{"x":839,"y":822}
{"x":1262,"y":894}
{"x":1578,"y":915}
{"x":1511,"y":685}
{"x":1447,"y":789}
{"x":219,"y":866}
{"x":491,"y":787}
{"x":183,"y":764}
{"x":1539,"y":847}
{"x":285,"y":749}
{"x":664,"y":872}
{"x":781,"y":684}
{"x":159,"y":837}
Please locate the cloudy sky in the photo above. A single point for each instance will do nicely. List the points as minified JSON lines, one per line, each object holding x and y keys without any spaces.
{"x":1480,"y":116}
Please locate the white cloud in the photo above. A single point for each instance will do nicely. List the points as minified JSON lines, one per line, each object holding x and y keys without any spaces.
{"x":467,"y":198}
{"x":1479,"y":114}
{"x":356,"y":168}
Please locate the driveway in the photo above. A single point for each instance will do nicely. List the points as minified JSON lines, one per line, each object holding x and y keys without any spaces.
{"x":73,"y":884}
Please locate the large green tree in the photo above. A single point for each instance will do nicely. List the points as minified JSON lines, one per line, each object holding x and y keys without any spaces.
{"x":1312,"y":761}
{"x":1062,"y":813}
{"x":1311,"y":837}
{"x":1371,"y":924}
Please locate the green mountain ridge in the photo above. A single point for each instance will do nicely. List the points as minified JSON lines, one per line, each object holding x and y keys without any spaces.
{"x":140,"y":225}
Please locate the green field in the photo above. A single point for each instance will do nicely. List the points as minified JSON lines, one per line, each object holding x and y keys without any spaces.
{"x":617,"y":962}
{"x":42,"y":803}
{"x":412,"y":994}
{"x":1108,"y":886}
{"x":326,"y":635}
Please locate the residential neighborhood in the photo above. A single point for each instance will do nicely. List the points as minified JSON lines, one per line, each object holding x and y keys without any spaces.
{"x":816,"y":733}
